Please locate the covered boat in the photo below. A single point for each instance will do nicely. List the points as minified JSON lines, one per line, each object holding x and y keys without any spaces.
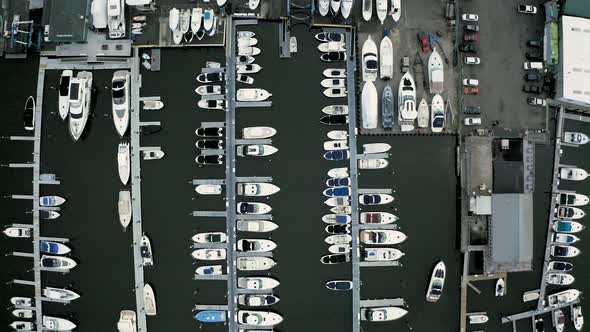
{"x":211,"y":316}
{"x":123,"y":162}
{"x":369,"y":106}
{"x":258,"y":132}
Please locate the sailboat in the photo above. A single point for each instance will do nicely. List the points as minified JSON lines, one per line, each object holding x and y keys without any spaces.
{"x":80,"y":96}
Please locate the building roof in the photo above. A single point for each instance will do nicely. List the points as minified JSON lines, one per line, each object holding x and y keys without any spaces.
{"x":575,"y":59}
{"x":578,"y":8}
{"x":510,"y":234}
{"x":67,"y":20}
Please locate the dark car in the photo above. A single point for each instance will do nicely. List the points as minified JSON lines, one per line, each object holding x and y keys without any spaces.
{"x":470,"y":37}
{"x":534,"y":43}
{"x":424,"y":41}
{"x":468,"y":48}
{"x":471,"y":28}
{"x":534,"y":56}
{"x":532,"y":77}
{"x":531,"y":89}
{"x":472,"y":110}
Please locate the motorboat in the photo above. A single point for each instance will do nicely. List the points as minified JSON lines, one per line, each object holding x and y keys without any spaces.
{"x":381,"y":254}
{"x":338,"y":239}
{"x":423,"y":115}
{"x":252,"y":95}
{"x":258,"y":132}
{"x":330,"y":37}
{"x":346,"y":8}
{"x":382,"y":314}
{"x":211,"y":104}
{"x":120,"y":100}
{"x":210,"y":77}
{"x":435,"y":72}
{"x":210,"y":159}
{"x":336,"y":219}
{"x":221,"y":3}
{"x":338,"y":248}
{"x":370,"y":61}
{"x":259,"y":318}
{"x":333,"y":56}
{"x":208,"y":90}
{"x":437,"y":282}
{"x":560,"y":279}
{"x":149,"y":299}
{"x":341,"y":209}
{"x":337,"y":155}
{"x":334,"y":73}
{"x":208,"y":19}
{"x":376,"y":148}
{"x":256,"y":245}
{"x":337,"y":192}
{"x":382,"y":10}
{"x":53,"y":248}
{"x":572,"y":199}
{"x":407,"y":102}
{"x":558,"y":320}
{"x":375,"y":199}
{"x":338,"y":182}
{"x":478,"y":319}
{"x":116,"y":18}
{"x":396,"y":9}
{"x":333,"y":120}
{"x":64,"y":93}
{"x":210,"y":132}
{"x":563,"y":297}
{"x":339,"y":172}
{"x":209,"y":254}
{"x":256,"y":226}
{"x":21,"y":325}
{"x":244,"y":60}
{"x":332,"y":46}
{"x":145,"y":251}
{"x":336,"y":145}
{"x":51,"y":323}
{"x":335,"y":110}
{"x":378,"y":218}
{"x":257,"y":189}
{"x":247,"y":41}
{"x":29,"y":114}
{"x":80,"y":96}
{"x":255,"y":263}
{"x":214,"y":144}
{"x":243,"y":78}
{"x":196,"y":20}
{"x":367,"y":9}
{"x":249,"y":50}
{"x":572,"y":173}
{"x":248,"y":69}
{"x":323,"y":7}
{"x":257,"y":283}
{"x":577,"y":317}
{"x":123,"y":162}
{"x":22,"y":313}
{"x":173,"y":17}
{"x":437,"y":116}
{"x":210,"y":237}
{"x":562,"y":238}
{"x":124,"y":207}
{"x":50,"y":215}
{"x":382,"y":237}
{"x":337,"y":201}
{"x":569,"y":212}
{"x":564,"y":251}
{"x":575,"y":138}
{"x":369,"y":106}
{"x":211,"y":316}
{"x":209,"y":270}
{"x":335,"y":258}
{"x":51,"y":201}
{"x":335,"y":6}
{"x":257,"y":300}
{"x":256,"y":150}
{"x":338,"y":229}
{"x":61,"y":294}
{"x":18,"y":232}
{"x":564,"y":226}
{"x":531,"y":295}
{"x":57,"y":263}
{"x":253,"y":4}
{"x":127,"y":321}
{"x":335,"y":83}
{"x":23,"y":302}
{"x":245,"y":34}
{"x":152,"y":105}
{"x":253,"y":208}
{"x":559,"y":266}
{"x":500,"y":288}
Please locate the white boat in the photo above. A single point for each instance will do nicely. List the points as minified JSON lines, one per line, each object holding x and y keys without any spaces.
{"x":22,"y":313}
{"x":563,"y":297}
{"x":120,"y":101}
{"x":221,"y":3}
{"x":123,"y":162}
{"x":334,"y":73}
{"x":29,"y":114}
{"x":560,"y":279}
{"x":382,"y":314}
{"x":60,"y":294}
{"x":242,"y":78}
{"x":345,"y":8}
{"x":208,"y":90}
{"x":386,"y":50}
{"x":377,"y":163}
{"x":338,"y":239}
{"x":500,"y":287}
{"x":209,"y":270}
{"x":369,"y":106}
{"x":564,"y":251}
{"x":378,"y":218}
{"x":210,"y":237}
{"x":257,"y":189}
{"x":338,"y":134}
{"x":332,"y":46}
{"x":116,"y":18}
{"x":340,"y":172}
{"x":257,"y":300}
{"x":51,"y":201}
{"x":338,"y":83}
{"x":569,"y":212}
{"x":21,"y":325}
{"x":249,"y":50}
{"x":145,"y":250}
{"x":436,"y":74}
{"x":256,"y":245}
{"x":396,"y":9}
{"x":184,"y":21}
{"x":210,"y":104}
{"x":20,"y":301}
{"x":572,"y":173}
{"x":173,"y":17}
{"x":152,"y":104}
{"x":258,"y":132}
{"x":564,"y":226}
{"x":387,"y":108}
{"x":336,"y":145}
{"x":253,"y":208}
{"x":531,"y":295}
{"x":478,"y":319}
{"x":335,"y":110}
{"x":339,"y":248}
{"x":337,"y":219}
{"x":80,"y":97}
{"x":382,"y":254}
{"x":253,"y":4}
{"x":245,"y":60}
{"x":577,"y":317}
{"x":341,"y":209}
{"x":259,"y":318}
{"x":370,"y":60}
{"x":382,"y":237}
{"x":209,"y":254}
{"x":53,"y":247}
{"x":335,"y":93}
{"x":423,"y":115}
{"x":210,"y":77}
{"x":563,"y":238}
{"x":257,"y":283}
{"x":323,"y":7}
{"x":152,"y":154}
{"x":255,"y":263}
{"x":127,"y":321}
{"x":252,"y":94}
{"x":572,"y":199}
{"x":382,"y":10}
{"x":558,"y":320}
{"x":256,"y":150}
{"x":367,"y":9}
{"x":248,"y":69}
{"x":64,"y":93}
{"x":437,"y":282}
{"x":256,"y":226}
{"x":208,"y":19}
{"x":560,"y":266}
{"x":437,"y":110}
{"x":242,"y":34}
{"x":573,"y":137}
{"x":124,"y":207}
{"x":337,"y":201}
{"x":57,"y":263}
{"x":376,"y":148}
{"x":149,"y":299}
{"x":407,"y":102}
{"x":208,"y":189}
{"x":247,"y":41}
{"x":335,"y":6}
{"x":196,"y":20}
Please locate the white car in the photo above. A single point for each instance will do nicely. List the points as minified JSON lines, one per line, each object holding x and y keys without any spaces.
{"x":536,"y":101}
{"x":470,"y":17}
{"x":470,"y":82}
{"x":472,"y":121}
{"x":527,"y":9}
{"x":533,"y":65}
{"x":472,"y":60}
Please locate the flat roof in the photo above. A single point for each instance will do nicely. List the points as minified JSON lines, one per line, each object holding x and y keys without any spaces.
{"x":576,"y":8}
{"x":575,"y":59}
{"x":67,"y":20}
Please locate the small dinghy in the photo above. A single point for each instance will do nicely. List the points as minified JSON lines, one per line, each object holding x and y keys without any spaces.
{"x":51,"y":201}
{"x":256,"y":226}
{"x":337,"y":155}
{"x":145,"y":250}
{"x":257,"y":300}
{"x":210,"y":237}
{"x":209,"y":254}
{"x":396,"y":9}
{"x":208,"y":90}
{"x":338,"y":229}
{"x":252,"y":95}
{"x":196,"y":20}
{"x":437,"y":282}
{"x":561,"y":238}
{"x":64,"y":93}
{"x":564,"y":251}
{"x":332,"y":46}
{"x":256,"y":245}
{"x":18,"y":232}
{"x":173,"y":18}
{"x":338,"y":182}
{"x":255,"y":263}
{"x":323,"y":7}
{"x":57,"y":263}
{"x":149,"y":300}
{"x":341,"y":209}
{"x":247,"y":41}
{"x":123,"y":161}
{"x":336,"y":219}
{"x":337,"y":192}
{"x":336,"y":145}
{"x":339,"y":172}
{"x":152,"y":154}
{"x":334,"y":73}
{"x":209,"y":270}
{"x":575,"y":138}
{"x":259,"y":318}
{"x":210,"y":104}
{"x":367,"y":9}
{"x":382,"y":314}
{"x":211,"y":316}
{"x":338,"y":248}
{"x":423,"y":114}
{"x":245,"y":60}
{"x":333,"y":56}
{"x":335,"y":93}
{"x":382,"y":237}
{"x":338,"y":239}
{"x":381,"y":254}
{"x":257,"y":283}
{"x":49,"y":215}
{"x":208,"y":19}
{"x":500,"y":288}
{"x":338,"y":134}
{"x":22,"y":313}
{"x":20,"y":325}
{"x":53,"y":248}
{"x":376,"y":148}
{"x":253,"y":208}
{"x":338,"y":83}
{"x":375,"y":199}
{"x":559,"y":266}
{"x":560,"y":279}
{"x":208,"y":189}
{"x":244,"y":79}
{"x":337,"y":201}
{"x":248,"y":69}
{"x":124,"y":207}
{"x":335,"y":110}
{"x":210,"y":77}
{"x":257,"y":189}
{"x":377,"y":163}
{"x":334,"y":120}
{"x":258,"y":132}
{"x":478,"y":319}
{"x":248,"y":51}
{"x":152,"y":105}
{"x":256,"y":150}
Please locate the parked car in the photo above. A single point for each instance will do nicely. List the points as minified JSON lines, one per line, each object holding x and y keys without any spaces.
{"x":534,"y":56}
{"x":534,"y":43}
{"x":532,"y":77}
{"x":470,"y":17}
{"x":470,"y":37}
{"x":472,"y":121}
{"x":405,"y":64}
{"x":527,"y":9}
{"x":534,"y":101}
{"x":533,"y":65}
{"x":468,"y":48}
{"x":470,"y":82}
{"x":471,"y":28}
{"x":424,"y":41}
{"x":471,"y":90}
{"x":472,"y":110}
{"x":472,"y":60}
{"x":531,"y":89}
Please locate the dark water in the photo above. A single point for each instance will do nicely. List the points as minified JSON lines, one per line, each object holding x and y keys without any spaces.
{"x":422,"y":173}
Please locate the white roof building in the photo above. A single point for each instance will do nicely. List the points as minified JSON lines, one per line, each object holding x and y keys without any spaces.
{"x":573,"y":85}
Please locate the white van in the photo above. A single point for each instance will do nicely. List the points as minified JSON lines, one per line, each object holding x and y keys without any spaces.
{"x":472,"y":121}
{"x":533,"y":65}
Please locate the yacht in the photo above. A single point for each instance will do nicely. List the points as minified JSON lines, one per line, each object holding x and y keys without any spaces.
{"x":57,"y":324}
{"x":381,"y":254}
{"x":252,"y":95}
{"x":210,"y":159}
{"x":336,"y":218}
{"x":375,"y":199}
{"x":367,"y":9}
{"x":210,"y":237}
{"x":559,"y":266}
{"x":560,"y":279}
{"x":116,"y":18}
{"x":209,"y":270}
{"x":436,"y":73}
{"x":25,"y":302}
{"x":376,"y":148}
{"x":64,"y":93}
{"x":209,"y":254}
{"x":478,"y":319}
{"x":257,"y":283}
{"x":153,"y":105}
{"x":256,"y":245}
{"x":339,"y":229}
{"x":253,"y":208}
{"x":123,"y":161}
{"x":208,"y":90}
{"x":564,"y":226}
{"x":80,"y":96}
{"x":337,"y":192}
{"x":249,"y":50}
{"x":373,"y":163}
{"x":334,"y":73}
{"x":564,"y":251}
{"x":124,"y":207}
{"x":196,"y":20}
{"x":257,"y":300}
{"x":370,"y":60}
{"x":49,"y":215}
{"x":338,"y":239}
{"x":243,"y":78}
{"x":346,"y":8}
{"x":575,"y":138}
{"x":337,"y":201}
{"x":563,"y":297}
{"x":210,"y":132}
{"x":57,"y":263}
{"x":387,"y":108}
{"x":20,"y":325}
{"x":29,"y":114}
{"x":379,"y":218}
{"x":256,"y":150}
{"x":149,"y":300}
{"x":211,"y":316}
{"x":558,"y":320}
{"x":145,"y":250}
{"x":120,"y":100}
{"x":258,"y":132}
{"x":572,"y":199}
{"x":562,"y":238}
{"x":248,"y":69}
{"x":396,"y":9}
{"x":338,"y":182}
{"x":335,"y":258}
{"x":577,"y":317}
{"x":247,"y":41}
{"x":438,"y":114}
{"x":332,"y":46}
{"x":323,"y":7}
{"x":210,"y":77}
{"x":255,"y":263}
{"x":500,"y":287}
{"x":21,"y":232}
{"x":569,"y":212}
{"x":23,"y":313}
{"x":204,"y":144}
{"x":382,"y":314}
{"x":369,"y":106}
{"x":335,"y":6}
{"x":382,"y":237}
{"x":423,"y":115}
{"x":259,"y":318}
{"x":437,"y":282}
{"x":127,"y":321}
{"x":335,"y":110}
{"x":339,"y":172}
{"x":339,"y":285}
{"x":51,"y":201}
{"x":54,"y":248}
{"x":382,"y":11}
{"x":334,"y":120}
{"x":60,"y":294}
{"x":211,"y":104}
{"x":257,"y":189}
{"x":336,"y":83}
{"x":572,"y":173}
{"x":256,"y":226}
{"x":407,"y":102}
{"x":336,"y":145}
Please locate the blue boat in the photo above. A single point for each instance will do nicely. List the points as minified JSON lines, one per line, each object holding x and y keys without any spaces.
{"x":56,"y":248}
{"x":337,"y":155}
{"x":211,"y":316}
{"x":338,"y":182}
{"x":337,"y":192}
